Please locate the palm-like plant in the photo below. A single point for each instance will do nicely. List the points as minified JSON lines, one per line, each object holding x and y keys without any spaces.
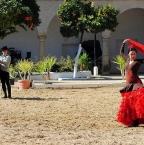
{"x":84,"y":62}
{"x":40,"y":68}
{"x":45,"y":65}
{"x":49,"y":62}
{"x":24,"y":67}
{"x":121,"y":64}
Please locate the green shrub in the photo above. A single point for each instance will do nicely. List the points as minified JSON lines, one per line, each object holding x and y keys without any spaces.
{"x":84,"y":62}
{"x":64,"y":65}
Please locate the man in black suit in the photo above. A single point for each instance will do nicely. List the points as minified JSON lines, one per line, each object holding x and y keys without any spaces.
{"x":5,"y":61}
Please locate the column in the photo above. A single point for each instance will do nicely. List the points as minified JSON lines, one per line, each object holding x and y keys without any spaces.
{"x":105,"y":52}
{"x":42,"y":39}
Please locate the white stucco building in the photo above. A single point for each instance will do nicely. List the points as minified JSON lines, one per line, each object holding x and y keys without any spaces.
{"x":46,"y":39}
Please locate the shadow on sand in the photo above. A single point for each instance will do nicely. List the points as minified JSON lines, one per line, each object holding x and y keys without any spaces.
{"x":37,"y":99}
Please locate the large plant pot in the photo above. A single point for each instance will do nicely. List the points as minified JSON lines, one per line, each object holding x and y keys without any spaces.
{"x":24,"y":84}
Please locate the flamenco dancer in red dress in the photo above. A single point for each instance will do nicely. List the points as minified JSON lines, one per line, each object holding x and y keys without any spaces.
{"x":131,"y":110}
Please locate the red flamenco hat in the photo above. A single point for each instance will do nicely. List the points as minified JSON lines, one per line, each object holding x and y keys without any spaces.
{"x":136,"y":45}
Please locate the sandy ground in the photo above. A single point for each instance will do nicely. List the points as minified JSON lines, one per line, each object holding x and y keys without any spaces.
{"x":65,"y":117}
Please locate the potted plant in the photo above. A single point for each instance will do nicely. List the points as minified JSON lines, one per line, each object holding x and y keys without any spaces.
{"x":121,"y":64}
{"x":13,"y":74}
{"x":24,"y":68}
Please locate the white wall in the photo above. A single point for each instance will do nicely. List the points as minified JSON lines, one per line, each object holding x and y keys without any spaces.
{"x":23,"y":41}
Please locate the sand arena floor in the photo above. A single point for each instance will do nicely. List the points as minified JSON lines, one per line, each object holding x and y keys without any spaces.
{"x":65,"y":117}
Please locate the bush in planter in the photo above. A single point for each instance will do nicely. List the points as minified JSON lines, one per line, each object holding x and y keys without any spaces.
{"x":84,"y":62}
{"x":64,"y":65}
{"x":121,"y":64}
{"x":45,"y":65}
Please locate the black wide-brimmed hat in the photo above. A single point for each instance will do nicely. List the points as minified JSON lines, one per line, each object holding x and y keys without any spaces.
{"x":4,"y":48}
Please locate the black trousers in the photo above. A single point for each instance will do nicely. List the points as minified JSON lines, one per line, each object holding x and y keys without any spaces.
{"x":6,"y":87}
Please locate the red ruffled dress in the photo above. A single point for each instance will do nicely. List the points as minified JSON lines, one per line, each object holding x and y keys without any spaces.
{"x":132,"y":104}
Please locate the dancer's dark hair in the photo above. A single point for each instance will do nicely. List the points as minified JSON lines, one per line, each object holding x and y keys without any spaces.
{"x":132,"y":49}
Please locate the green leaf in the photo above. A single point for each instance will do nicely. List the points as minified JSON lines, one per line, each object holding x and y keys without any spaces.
{"x":120,"y":62}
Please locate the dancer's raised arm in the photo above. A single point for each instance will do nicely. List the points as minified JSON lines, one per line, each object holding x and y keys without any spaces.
{"x":122,"y":49}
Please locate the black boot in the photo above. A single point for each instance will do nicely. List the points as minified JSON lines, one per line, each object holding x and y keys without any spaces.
{"x":5,"y":95}
{"x":9,"y":91}
{"x":4,"y":90}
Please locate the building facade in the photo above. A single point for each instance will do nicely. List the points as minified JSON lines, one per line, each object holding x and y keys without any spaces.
{"x":47,"y":40}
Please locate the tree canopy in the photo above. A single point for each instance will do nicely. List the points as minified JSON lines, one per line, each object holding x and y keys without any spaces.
{"x":77,"y":16}
{"x":13,"y":13}
{"x":105,"y":17}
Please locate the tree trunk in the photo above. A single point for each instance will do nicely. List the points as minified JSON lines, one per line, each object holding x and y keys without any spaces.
{"x":76,"y":61}
{"x":48,"y":74}
{"x":77,"y":56}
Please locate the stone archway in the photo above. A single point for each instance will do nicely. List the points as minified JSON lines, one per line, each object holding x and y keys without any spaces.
{"x":131,"y":25}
